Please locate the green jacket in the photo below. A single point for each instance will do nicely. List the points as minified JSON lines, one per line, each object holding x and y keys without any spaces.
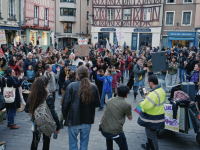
{"x":138,"y":72}
{"x":173,"y":69}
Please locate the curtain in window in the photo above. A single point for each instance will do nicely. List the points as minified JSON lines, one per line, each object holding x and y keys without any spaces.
{"x":169,"y":18}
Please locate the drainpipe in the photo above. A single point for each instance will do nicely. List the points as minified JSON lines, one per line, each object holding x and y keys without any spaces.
{"x":80,"y":18}
{"x":55,"y":26}
{"x":20,"y":23}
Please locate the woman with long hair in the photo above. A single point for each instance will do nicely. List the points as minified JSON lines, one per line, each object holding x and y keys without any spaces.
{"x":78,"y":108}
{"x":14,"y":64}
{"x":38,"y":95}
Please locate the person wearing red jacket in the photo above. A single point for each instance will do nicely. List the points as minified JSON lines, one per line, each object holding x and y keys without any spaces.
{"x":14,"y":64}
{"x":122,"y":67}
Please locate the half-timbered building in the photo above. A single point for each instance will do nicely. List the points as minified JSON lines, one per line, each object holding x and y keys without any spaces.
{"x":140,"y":20}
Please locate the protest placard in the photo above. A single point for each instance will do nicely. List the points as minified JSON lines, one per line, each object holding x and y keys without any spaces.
{"x":81,"y":50}
{"x":82,"y":41}
{"x":170,"y":123}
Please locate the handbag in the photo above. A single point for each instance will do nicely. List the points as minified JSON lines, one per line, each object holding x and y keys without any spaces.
{"x":140,"y":78}
{"x":2,"y":103}
{"x":9,"y":94}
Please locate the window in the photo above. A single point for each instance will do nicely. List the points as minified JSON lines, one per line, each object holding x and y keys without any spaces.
{"x":127,"y":14}
{"x":169,"y":18}
{"x":87,"y":15}
{"x":68,"y":27}
{"x":88,"y":2}
{"x":87,"y":28}
{"x":69,"y":1}
{"x":171,"y":2}
{"x":147,"y":13}
{"x":11,"y":12}
{"x":46,"y":14}
{"x":186,"y":18}
{"x":188,"y":1}
{"x":110,"y":14}
{"x":67,"y":12}
{"x":36,"y":12}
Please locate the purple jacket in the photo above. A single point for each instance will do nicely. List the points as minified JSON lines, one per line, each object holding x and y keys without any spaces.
{"x":114,"y":81}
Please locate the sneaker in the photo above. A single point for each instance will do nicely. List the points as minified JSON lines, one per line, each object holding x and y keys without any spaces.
{"x":100,"y":109}
{"x":56,"y":109}
{"x":60,"y":96}
{"x":122,"y":84}
{"x":135,"y":101}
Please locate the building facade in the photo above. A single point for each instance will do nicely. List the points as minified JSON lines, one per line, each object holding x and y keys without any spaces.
{"x":11,"y":19}
{"x":179,"y":23}
{"x":140,"y":21}
{"x":39,"y":20}
{"x":72,"y":21}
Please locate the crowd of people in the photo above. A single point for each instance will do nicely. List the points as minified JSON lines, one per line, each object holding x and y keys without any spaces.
{"x":84,"y":83}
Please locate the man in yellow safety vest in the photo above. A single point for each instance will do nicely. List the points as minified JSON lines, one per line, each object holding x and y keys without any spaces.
{"x":152,"y":114}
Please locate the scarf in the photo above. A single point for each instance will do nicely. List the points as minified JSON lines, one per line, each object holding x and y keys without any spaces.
{"x":113,"y":73}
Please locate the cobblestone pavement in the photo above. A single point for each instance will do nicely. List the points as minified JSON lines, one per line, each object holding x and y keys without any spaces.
{"x":21,"y":139}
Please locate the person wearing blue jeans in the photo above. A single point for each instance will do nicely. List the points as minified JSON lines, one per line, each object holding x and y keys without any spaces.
{"x":73,"y":132}
{"x":107,"y":86}
{"x":11,"y":115}
{"x":181,"y":68}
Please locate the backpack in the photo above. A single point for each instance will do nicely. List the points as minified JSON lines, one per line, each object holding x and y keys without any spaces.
{"x":180,"y":95}
{"x":44,"y":119}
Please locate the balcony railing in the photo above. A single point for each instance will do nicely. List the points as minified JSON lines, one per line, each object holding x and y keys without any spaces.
{"x":12,"y":18}
{"x":46,"y":23}
{"x":36,"y":21}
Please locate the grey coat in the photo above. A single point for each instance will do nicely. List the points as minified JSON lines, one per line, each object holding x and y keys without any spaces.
{"x":52,"y":81}
{"x":138,"y":72}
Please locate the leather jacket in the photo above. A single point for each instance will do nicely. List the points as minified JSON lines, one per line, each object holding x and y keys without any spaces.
{"x":50,"y":103}
{"x":75,"y":112}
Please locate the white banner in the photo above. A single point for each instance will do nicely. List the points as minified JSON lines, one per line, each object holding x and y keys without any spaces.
{"x":2,"y":37}
{"x":41,"y":41}
{"x":120,"y":35}
{"x":170,"y":123}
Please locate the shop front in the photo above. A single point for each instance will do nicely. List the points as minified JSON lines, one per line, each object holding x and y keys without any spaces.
{"x":41,"y":36}
{"x":181,"y":39}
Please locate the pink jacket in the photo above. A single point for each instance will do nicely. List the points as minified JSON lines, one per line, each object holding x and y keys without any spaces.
{"x":114,"y":81}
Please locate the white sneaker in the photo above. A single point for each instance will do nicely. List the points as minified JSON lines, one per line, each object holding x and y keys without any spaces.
{"x":55,"y":109}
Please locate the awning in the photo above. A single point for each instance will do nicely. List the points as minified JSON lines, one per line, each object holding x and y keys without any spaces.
{"x":181,"y":39}
{"x":10,"y":28}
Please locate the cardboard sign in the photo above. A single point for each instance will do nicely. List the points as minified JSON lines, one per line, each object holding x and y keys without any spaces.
{"x":170,"y":123}
{"x":81,"y":50}
{"x":83,"y":41}
{"x":2,"y":37}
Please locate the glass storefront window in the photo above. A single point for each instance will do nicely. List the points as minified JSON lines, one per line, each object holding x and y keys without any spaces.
{"x":180,"y":43}
{"x":33,"y":37}
{"x":44,"y":36}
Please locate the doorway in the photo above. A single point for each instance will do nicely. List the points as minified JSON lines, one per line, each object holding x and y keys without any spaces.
{"x":145,"y":40}
{"x":102,"y":38}
{"x":134,"y":41}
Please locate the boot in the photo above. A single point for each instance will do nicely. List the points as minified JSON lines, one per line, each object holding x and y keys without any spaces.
{"x":14,"y":127}
{"x":135,"y":94}
{"x":8,"y":125}
{"x":61,"y":124}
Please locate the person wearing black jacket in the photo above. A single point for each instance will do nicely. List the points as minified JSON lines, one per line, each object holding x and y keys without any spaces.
{"x":38,"y":95}
{"x":78,"y":108}
{"x":181,"y":68}
{"x":191,"y":63}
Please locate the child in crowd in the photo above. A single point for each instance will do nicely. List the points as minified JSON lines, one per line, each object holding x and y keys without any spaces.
{"x":107,"y":86}
{"x":72,"y":78}
{"x":99,"y":84}
{"x":30,"y":74}
{"x":25,"y":84}
{"x":115,"y":74}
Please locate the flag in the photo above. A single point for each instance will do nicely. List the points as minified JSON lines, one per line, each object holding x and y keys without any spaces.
{"x":138,"y":109}
{"x":107,"y":45}
{"x":1,"y":52}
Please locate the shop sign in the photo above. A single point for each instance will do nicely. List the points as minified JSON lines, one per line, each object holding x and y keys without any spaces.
{"x":170,"y":123}
{"x":95,"y":37}
{"x":2,"y":37}
{"x":142,"y":30}
{"x":107,"y":29}
{"x":181,"y":34}
{"x":83,"y":41}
